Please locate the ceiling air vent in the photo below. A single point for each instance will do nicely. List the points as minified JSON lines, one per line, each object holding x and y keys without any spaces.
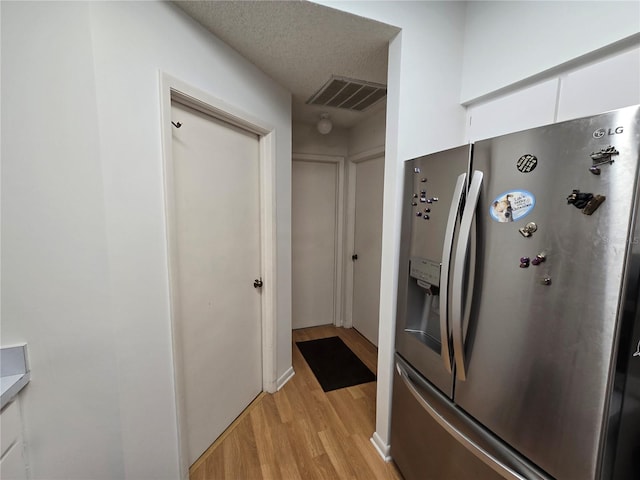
{"x":341,"y":92}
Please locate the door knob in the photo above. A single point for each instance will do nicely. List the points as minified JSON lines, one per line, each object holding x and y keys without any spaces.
{"x":354,"y":257}
{"x":257,"y":283}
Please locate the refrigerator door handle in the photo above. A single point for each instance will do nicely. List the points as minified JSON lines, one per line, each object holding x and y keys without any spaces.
{"x":444,"y":269}
{"x":462,"y":250}
{"x":481,"y":444}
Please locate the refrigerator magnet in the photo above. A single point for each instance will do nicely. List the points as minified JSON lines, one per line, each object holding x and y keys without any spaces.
{"x":511,"y":206}
{"x":527,"y":163}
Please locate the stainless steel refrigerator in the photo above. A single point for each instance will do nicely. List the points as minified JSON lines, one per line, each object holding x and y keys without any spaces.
{"x":517,"y":333}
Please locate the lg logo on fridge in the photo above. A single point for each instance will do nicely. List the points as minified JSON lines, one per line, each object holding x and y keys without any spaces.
{"x":601,"y":132}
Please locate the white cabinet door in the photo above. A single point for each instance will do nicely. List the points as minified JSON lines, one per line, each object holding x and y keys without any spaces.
{"x":606,"y":85}
{"x":12,"y":464}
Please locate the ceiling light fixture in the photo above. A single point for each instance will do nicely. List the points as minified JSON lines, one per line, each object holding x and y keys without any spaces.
{"x":324,"y":125}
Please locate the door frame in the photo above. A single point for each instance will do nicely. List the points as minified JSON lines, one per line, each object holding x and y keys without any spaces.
{"x":172,"y":88}
{"x":350,"y":219}
{"x":338,"y":318}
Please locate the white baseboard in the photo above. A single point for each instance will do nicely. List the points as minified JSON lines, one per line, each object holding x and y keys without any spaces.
{"x":381,"y":447}
{"x":284,"y":378}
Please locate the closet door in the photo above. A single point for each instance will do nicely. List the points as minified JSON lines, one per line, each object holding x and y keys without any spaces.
{"x":314,"y":242}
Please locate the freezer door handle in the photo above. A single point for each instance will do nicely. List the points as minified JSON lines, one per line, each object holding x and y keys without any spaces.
{"x":454,"y":209}
{"x":480,"y":443}
{"x":462,"y":251}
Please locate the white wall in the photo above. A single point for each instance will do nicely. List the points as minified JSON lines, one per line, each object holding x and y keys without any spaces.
{"x":430,"y":117}
{"x":55,"y":252}
{"x":84,"y":261}
{"x":506,"y":42}
{"x":368,"y":134}
{"x":423,"y":115}
{"x":307,"y":140}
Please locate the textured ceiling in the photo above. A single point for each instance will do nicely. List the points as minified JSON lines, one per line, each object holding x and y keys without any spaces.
{"x":300,"y":45}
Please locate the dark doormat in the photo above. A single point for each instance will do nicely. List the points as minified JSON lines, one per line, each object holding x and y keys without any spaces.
{"x":334,"y":364}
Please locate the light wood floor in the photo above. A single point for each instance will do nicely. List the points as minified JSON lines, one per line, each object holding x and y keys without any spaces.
{"x":302,"y":432}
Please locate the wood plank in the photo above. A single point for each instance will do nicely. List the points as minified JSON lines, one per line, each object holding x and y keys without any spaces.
{"x":305,"y":460}
{"x":381,"y":469}
{"x":198,"y":474}
{"x":228,"y":431}
{"x":267,"y":453}
{"x":286,"y":459}
{"x":307,"y":438}
{"x":240,"y":453}
{"x":362,"y":466}
{"x":301,"y":432}
{"x":214,"y":465}
{"x":353,"y":413}
{"x":285,"y":411}
{"x":333,"y":445}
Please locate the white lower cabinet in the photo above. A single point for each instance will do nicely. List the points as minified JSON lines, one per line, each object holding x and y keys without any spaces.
{"x":12,"y":466}
{"x":12,"y":460}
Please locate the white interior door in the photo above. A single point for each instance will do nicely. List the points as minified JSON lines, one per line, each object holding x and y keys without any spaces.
{"x":313,"y":226}
{"x":368,"y":247}
{"x":217,"y":234}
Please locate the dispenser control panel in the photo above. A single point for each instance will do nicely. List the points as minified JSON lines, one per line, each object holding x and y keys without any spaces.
{"x":426,"y":270}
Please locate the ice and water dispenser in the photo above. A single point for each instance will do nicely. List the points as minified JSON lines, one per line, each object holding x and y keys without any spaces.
{"x":423,"y":302}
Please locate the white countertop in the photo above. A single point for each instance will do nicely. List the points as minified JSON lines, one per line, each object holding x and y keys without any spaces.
{"x":11,"y":385}
{"x":14,"y":372}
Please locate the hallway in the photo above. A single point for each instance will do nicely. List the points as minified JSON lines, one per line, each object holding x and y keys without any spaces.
{"x":302,"y":432}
